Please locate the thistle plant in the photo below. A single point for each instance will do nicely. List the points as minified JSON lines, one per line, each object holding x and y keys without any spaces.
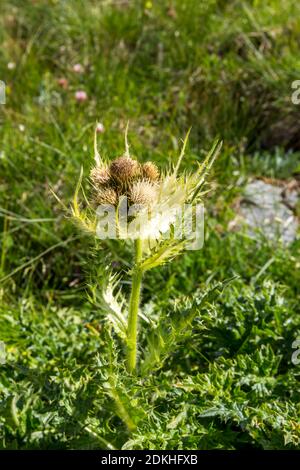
{"x":161,"y":197}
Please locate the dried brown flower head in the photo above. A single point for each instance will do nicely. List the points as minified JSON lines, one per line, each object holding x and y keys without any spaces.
{"x":100,"y":176}
{"x":106,"y":196}
{"x":124,"y":169}
{"x":143,"y":192}
{"x":150,"y":171}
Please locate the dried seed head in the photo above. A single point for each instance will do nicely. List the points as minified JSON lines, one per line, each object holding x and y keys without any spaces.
{"x":124,"y":168}
{"x":99,"y":176}
{"x":106,"y":196}
{"x":143,"y":192}
{"x":150,"y":171}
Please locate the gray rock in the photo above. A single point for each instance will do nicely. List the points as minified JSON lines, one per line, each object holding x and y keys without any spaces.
{"x":265,"y":209}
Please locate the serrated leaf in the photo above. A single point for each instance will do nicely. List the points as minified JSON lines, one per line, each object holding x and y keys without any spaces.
{"x":163,"y":253}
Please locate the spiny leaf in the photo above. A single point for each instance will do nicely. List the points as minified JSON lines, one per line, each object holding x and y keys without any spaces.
{"x":111,"y":301}
{"x":162,"y":340}
{"x":163,"y":253}
{"x":205,"y":166}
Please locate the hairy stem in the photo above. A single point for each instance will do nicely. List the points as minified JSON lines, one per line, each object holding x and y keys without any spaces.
{"x":132,"y":329}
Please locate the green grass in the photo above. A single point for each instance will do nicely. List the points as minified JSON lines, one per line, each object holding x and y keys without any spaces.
{"x":224,"y":68}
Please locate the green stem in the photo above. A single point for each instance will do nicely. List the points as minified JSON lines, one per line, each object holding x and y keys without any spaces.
{"x":133,"y":309}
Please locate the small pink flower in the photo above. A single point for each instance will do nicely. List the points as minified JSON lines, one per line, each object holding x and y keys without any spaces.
{"x":63,"y":82}
{"x":100,"y":128}
{"x":81,"y":96}
{"x":77,"y":68}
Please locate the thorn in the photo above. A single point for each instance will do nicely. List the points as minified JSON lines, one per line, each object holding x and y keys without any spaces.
{"x":127,"y":153}
{"x":182,"y":151}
